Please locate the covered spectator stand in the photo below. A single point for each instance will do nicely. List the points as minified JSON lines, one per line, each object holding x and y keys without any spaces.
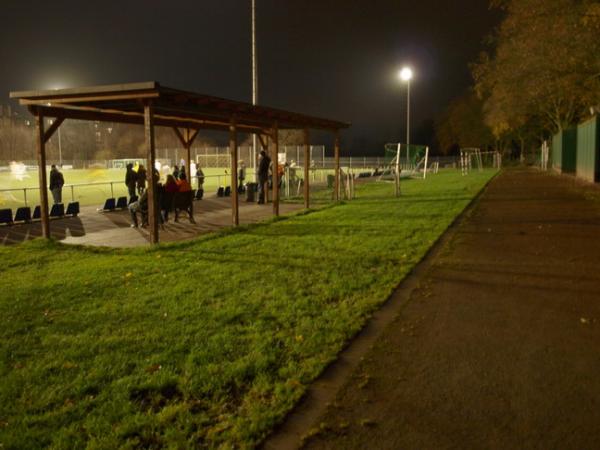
{"x":150,"y":104}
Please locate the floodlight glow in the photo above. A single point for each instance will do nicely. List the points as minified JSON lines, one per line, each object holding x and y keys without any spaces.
{"x":406,"y":74}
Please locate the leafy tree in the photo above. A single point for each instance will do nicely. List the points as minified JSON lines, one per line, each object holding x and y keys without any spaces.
{"x":462,"y":125}
{"x":544,"y":72}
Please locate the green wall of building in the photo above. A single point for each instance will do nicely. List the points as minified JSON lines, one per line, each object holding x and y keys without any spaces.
{"x":588,"y":150}
{"x":564,"y":151}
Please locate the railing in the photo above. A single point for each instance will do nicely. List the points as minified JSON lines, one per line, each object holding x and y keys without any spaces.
{"x":30,"y":195}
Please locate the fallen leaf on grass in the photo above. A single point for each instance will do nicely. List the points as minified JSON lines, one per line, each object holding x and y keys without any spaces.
{"x":367,"y":423}
{"x":153,"y":368}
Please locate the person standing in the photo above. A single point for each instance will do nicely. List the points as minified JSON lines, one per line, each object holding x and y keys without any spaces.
{"x":263,"y":175}
{"x":241,"y":175}
{"x":200,"y":177}
{"x":130,"y":180}
{"x":141,"y":179}
{"x":56,"y":183}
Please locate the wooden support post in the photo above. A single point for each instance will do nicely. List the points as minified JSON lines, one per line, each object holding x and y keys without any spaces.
{"x":150,"y":155}
{"x":306,"y":168}
{"x":188,"y":149}
{"x":233,"y":151}
{"x":336,"y":194}
{"x":275,"y":161}
{"x":41,"y":154}
{"x":187,"y":145}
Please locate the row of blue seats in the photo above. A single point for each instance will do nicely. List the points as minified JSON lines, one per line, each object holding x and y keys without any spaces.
{"x":112,"y":204}
{"x":23,"y":213}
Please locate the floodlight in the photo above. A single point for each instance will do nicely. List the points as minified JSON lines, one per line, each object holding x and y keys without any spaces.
{"x":406,"y":74}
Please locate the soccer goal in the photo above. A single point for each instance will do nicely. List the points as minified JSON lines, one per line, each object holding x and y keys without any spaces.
{"x":405,"y":161}
{"x":471,"y":158}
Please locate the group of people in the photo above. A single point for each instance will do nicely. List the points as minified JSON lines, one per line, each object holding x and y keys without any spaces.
{"x":174,"y":194}
{"x":135,"y":180}
{"x":264,"y":174}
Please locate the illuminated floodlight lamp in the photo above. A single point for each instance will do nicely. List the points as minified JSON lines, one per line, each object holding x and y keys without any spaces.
{"x":406,"y":74}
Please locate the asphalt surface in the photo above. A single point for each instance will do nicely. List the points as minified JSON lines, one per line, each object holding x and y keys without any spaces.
{"x":499,"y":345}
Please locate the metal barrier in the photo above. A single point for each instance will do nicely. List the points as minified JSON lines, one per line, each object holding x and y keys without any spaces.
{"x":114,"y":186}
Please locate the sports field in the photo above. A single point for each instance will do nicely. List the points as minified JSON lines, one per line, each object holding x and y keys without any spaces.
{"x":90,"y":186}
{"x":207,"y":343}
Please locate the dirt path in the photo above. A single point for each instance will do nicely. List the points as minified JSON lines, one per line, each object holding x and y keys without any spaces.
{"x":499,"y":346}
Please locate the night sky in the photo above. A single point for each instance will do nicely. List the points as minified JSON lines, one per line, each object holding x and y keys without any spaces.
{"x":332,"y":58}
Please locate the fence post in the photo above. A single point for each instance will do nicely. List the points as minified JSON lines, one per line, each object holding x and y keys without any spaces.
{"x":112,"y":192}
{"x":72,"y":193}
{"x":25,"y":195}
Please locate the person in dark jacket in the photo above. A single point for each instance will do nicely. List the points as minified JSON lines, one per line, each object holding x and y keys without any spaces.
{"x":176,"y":172}
{"x":56,"y":183}
{"x":141,"y":179}
{"x":263,"y":175}
{"x":130,"y":180}
{"x":241,"y":175}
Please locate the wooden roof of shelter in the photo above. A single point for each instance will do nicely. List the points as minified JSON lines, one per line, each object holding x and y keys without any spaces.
{"x":124,"y":103}
{"x":151,"y":104}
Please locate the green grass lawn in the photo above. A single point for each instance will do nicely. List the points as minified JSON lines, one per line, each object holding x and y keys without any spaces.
{"x":208,"y":342}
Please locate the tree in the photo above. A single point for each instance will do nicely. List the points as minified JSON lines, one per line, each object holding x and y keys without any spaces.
{"x":462,"y":125}
{"x":544,"y":71}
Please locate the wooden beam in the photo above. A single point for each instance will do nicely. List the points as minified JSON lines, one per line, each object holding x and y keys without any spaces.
{"x":180,"y":137}
{"x":50,"y":131}
{"x":233,"y":150}
{"x":90,"y":98}
{"x":193,"y":137}
{"x":263,"y":140}
{"x":150,"y":152}
{"x":306,"y":168}
{"x":274,"y":161}
{"x":41,"y":155}
{"x":336,"y":194}
{"x":133,"y":117}
{"x":188,"y":151}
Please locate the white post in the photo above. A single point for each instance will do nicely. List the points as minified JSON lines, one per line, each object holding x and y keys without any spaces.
{"x":397,"y":177}
{"x":426,"y":158}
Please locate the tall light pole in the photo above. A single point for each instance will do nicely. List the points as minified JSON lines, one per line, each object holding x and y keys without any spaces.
{"x":254,"y":83}
{"x":406,"y":74}
{"x":59,"y":146}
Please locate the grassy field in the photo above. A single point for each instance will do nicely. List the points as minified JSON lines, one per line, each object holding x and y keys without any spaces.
{"x":205,"y":343}
{"x":85,"y":195}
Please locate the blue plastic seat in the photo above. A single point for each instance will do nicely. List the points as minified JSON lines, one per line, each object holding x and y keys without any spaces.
{"x":121,"y":203}
{"x":6,"y":216}
{"x":109,"y":204}
{"x":23,"y":214}
{"x":72,"y":209}
{"x":220,"y":191}
{"x":199,"y":194}
{"x":227,"y":192}
{"x":37,"y":213}
{"x":58,"y":210}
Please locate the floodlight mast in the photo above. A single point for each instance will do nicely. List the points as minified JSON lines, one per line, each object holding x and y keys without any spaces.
{"x":254,"y":83}
{"x":406,"y":74}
